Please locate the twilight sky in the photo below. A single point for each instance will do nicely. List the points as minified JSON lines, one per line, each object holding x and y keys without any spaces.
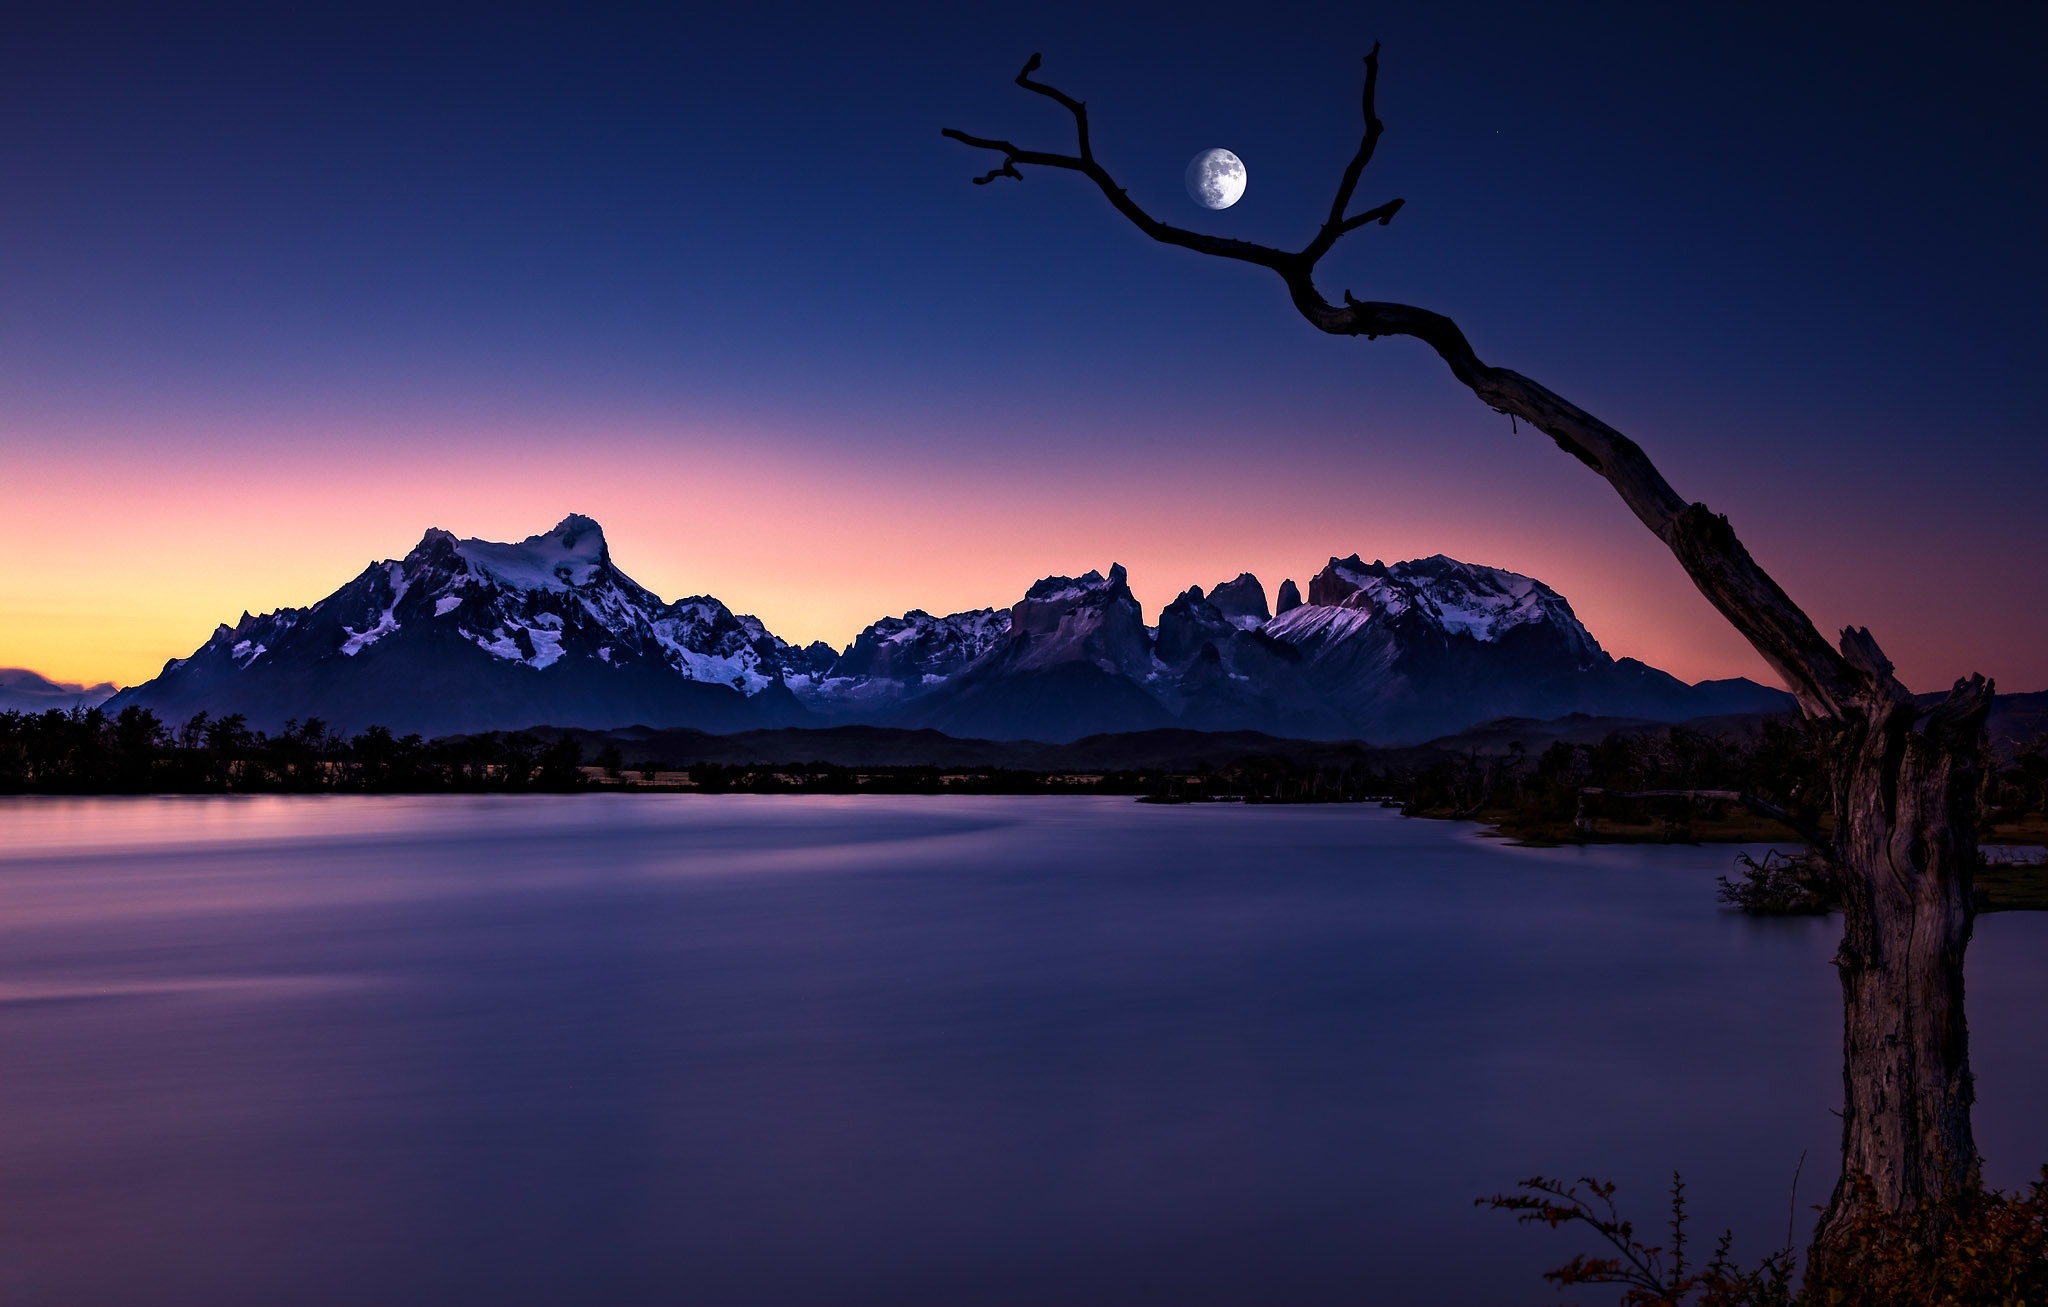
{"x":280,"y":291}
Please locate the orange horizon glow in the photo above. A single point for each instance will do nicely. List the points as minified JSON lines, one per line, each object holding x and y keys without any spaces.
{"x":129,"y":554}
{"x":283,"y":293}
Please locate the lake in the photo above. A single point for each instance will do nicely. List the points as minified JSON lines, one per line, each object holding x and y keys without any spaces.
{"x":682,"y":1049}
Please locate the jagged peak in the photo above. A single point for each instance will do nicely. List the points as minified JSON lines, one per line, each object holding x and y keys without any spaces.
{"x":917,"y":619}
{"x":1342,"y":578}
{"x":1242,"y":600}
{"x":1066,"y":587}
{"x":708,"y":603}
{"x":1444,"y":564}
{"x":576,"y":527}
{"x":1074,"y":587}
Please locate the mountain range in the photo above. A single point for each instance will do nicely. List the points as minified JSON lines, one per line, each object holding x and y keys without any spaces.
{"x":463,"y":636}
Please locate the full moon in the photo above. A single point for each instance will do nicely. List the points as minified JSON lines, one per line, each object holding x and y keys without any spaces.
{"x":1216,"y":179}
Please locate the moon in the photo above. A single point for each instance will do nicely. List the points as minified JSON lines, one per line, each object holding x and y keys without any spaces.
{"x":1216,"y":179}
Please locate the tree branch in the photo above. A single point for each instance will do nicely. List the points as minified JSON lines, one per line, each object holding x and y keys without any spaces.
{"x":1014,"y":155}
{"x":1827,"y":684}
{"x":1382,"y":215}
{"x":1073,"y":106}
{"x":1336,"y":224}
{"x":1222,"y":247}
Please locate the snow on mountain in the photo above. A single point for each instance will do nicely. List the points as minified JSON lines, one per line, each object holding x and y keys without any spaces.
{"x":466,"y":634}
{"x":1091,"y":617}
{"x":1488,"y":602}
{"x":1479,"y":603}
{"x":552,"y":604}
{"x":898,"y":658}
{"x":534,"y":602}
{"x":572,"y":555}
{"x":1408,"y":651}
{"x":1070,"y":664}
{"x":1314,"y":623}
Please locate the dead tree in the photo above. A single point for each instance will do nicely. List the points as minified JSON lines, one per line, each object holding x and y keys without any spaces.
{"x":1904,"y":777}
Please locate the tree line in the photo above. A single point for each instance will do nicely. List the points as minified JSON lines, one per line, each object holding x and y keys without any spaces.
{"x":88,"y":751}
{"x":1560,"y":792}
{"x":1656,"y":777}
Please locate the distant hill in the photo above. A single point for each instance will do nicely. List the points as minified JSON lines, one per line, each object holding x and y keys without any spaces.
{"x":22,"y":690}
{"x":1168,"y":749}
{"x":2015,"y":717}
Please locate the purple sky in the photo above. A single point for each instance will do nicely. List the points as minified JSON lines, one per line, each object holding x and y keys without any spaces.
{"x":283,"y":289}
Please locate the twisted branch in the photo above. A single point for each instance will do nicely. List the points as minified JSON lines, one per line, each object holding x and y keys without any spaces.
{"x":1829,"y":685}
{"x":1337,"y":224}
{"x":1222,"y":247}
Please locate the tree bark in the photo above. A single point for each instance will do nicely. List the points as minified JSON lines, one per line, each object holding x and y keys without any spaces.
{"x":1905,"y":801}
{"x":1905,"y":780}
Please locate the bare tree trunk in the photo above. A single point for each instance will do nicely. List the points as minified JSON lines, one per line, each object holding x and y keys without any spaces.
{"x":1905,"y":800}
{"x":1905,"y":779}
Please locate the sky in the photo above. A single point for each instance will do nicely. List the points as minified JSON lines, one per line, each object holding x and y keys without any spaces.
{"x":282,"y":287}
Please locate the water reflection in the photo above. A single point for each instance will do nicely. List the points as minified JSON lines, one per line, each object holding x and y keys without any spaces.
{"x":762,"y":1050}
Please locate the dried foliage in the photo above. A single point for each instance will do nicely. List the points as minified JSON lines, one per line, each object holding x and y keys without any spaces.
{"x":1650,"y":1275}
{"x":1779,"y":886}
{"x":1981,"y":1248}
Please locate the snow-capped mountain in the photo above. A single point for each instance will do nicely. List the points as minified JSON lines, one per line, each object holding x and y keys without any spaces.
{"x":1402,"y":652}
{"x":1485,"y":603}
{"x":1431,"y":646}
{"x":1073,"y":663}
{"x":900,"y":657}
{"x":467,"y":635}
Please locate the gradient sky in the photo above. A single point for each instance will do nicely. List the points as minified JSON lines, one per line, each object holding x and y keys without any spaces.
{"x":280,"y":290}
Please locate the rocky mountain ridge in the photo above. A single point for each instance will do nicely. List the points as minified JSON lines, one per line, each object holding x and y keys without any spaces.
{"x":463,"y":635}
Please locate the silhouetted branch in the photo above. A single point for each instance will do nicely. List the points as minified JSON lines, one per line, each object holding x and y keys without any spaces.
{"x":1383,"y":215}
{"x":1012,"y":156}
{"x":1903,"y":780}
{"x":1826,"y":683}
{"x":1337,"y":224}
{"x":1222,"y":247}
{"x":1073,"y":106}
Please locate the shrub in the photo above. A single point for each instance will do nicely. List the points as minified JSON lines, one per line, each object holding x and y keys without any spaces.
{"x":1779,"y":886}
{"x":1982,"y":1248}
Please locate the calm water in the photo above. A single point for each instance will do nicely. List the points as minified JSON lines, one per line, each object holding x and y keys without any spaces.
{"x":692,"y":1050}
